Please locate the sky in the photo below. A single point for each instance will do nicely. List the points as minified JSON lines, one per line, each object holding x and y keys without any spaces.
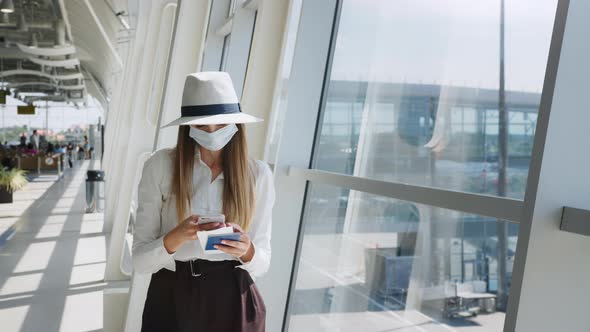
{"x":452,"y":42}
{"x":61,"y":116}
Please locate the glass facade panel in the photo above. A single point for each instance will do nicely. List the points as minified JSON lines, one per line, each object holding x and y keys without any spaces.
{"x":415,"y":92}
{"x":371,"y":263}
{"x":277,"y":117}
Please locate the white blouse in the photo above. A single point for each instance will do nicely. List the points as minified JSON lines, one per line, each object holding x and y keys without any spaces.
{"x":156,"y":215}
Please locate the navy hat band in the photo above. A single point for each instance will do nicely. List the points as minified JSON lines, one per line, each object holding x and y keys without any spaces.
{"x":214,"y":109}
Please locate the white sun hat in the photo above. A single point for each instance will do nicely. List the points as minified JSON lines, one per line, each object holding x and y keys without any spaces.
{"x":210,"y":98}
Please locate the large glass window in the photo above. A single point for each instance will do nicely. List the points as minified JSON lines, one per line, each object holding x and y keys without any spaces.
{"x":373,"y":263}
{"x":229,"y":39}
{"x":414,"y":92}
{"x":433,"y":93}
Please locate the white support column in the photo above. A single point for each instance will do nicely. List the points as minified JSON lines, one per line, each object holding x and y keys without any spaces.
{"x":187,"y":45}
{"x":186,"y":57}
{"x":3,"y":123}
{"x":136,"y":143}
{"x":118,"y":129}
{"x":118,"y":94}
{"x":263,"y":69}
{"x":551,"y":285}
{"x":47,"y":120}
{"x":133,"y":138}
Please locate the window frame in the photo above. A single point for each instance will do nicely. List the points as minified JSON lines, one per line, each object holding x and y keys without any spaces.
{"x":294,"y":172}
{"x":229,"y":39}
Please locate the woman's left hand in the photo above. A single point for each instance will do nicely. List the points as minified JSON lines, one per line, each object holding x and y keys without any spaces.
{"x":242,"y":249}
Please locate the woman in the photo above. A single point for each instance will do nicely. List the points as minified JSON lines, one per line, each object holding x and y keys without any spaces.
{"x":208,"y":172}
{"x":31,"y":149}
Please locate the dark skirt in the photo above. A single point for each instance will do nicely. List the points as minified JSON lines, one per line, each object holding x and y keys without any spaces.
{"x":219,"y":297}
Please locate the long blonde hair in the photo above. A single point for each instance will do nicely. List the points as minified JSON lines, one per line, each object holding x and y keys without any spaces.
{"x":238,"y":183}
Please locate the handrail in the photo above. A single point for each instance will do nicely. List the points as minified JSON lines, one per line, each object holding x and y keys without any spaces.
{"x":491,"y":206}
{"x":575,"y":220}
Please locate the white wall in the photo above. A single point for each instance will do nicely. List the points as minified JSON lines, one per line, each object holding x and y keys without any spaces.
{"x":556,"y":280}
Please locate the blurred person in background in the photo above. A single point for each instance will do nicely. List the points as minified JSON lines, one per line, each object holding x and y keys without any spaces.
{"x":35,"y":139}
{"x":70,"y":152}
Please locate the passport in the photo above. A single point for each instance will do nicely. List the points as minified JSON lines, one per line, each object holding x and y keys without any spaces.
{"x":208,"y":239}
{"x":216,"y":239}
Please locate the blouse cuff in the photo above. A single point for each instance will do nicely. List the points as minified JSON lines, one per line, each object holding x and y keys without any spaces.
{"x":167,"y":259}
{"x":251,"y":265}
{"x":160,"y":256}
{"x":153,"y":256}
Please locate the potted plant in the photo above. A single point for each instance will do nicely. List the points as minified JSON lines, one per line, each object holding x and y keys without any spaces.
{"x":11,"y":181}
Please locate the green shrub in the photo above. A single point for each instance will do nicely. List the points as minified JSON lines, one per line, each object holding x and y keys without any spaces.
{"x":13,"y":180}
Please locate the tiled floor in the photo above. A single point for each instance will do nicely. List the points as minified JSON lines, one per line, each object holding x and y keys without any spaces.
{"x":52,"y":268}
{"x":23,"y":199}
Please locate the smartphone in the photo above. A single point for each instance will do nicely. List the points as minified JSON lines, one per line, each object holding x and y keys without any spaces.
{"x":205,"y":219}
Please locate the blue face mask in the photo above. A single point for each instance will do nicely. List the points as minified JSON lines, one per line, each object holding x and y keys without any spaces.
{"x":216,"y":140}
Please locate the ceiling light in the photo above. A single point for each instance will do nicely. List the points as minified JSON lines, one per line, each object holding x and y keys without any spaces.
{"x":7,"y":6}
{"x":60,"y":33}
{"x":21,"y":25}
{"x":33,"y":42}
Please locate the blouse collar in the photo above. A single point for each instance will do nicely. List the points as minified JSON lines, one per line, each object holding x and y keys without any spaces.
{"x":202,"y":163}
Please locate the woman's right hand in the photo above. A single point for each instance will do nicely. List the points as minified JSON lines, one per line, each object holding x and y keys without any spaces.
{"x":186,"y":230}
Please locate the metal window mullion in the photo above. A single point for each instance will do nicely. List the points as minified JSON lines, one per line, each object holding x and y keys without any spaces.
{"x":242,"y":26}
{"x":334,"y":8}
{"x":311,"y":52}
{"x":214,"y":42}
{"x":326,"y":85}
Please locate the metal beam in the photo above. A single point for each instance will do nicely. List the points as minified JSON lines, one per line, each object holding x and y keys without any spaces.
{"x":62,"y":77}
{"x":99,"y":88}
{"x":55,"y":63}
{"x":46,"y":84}
{"x":104,"y":35}
{"x":47,"y":51}
{"x":64,"y":15}
{"x":30,"y":25}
